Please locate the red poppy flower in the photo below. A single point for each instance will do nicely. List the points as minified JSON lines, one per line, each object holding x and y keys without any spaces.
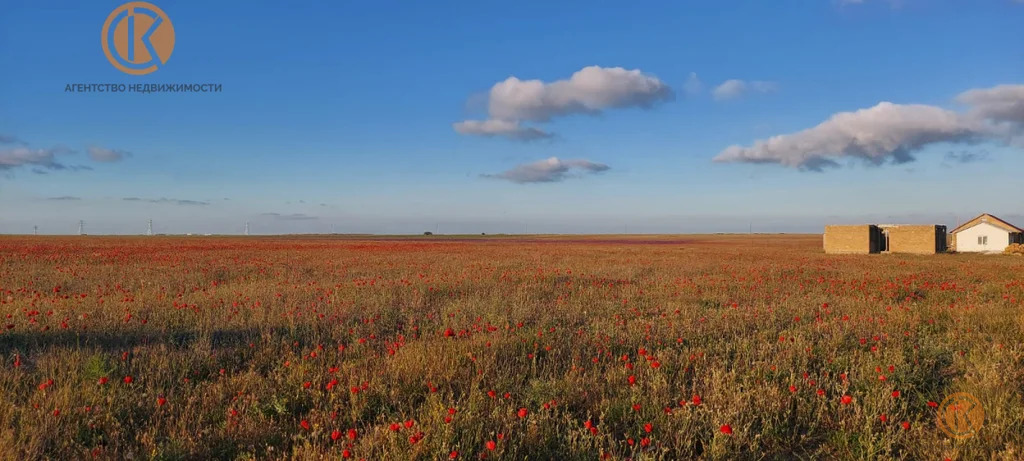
{"x":725,"y":429}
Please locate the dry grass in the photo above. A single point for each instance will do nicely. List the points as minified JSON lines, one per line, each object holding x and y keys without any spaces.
{"x":263,"y":348}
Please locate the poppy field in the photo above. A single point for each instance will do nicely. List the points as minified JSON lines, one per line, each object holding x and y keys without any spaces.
{"x":569,"y":348}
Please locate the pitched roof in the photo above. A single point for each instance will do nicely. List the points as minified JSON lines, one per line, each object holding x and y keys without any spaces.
{"x":987,"y":218}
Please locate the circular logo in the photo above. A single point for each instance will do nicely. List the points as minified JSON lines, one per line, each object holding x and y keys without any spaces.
{"x":961,"y":415}
{"x":138,"y":38}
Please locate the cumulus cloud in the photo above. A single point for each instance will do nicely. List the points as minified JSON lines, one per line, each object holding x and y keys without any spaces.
{"x":549,"y":170}
{"x":590,"y":90}
{"x":103,"y":154}
{"x":1002,"y":107}
{"x":507,"y":128}
{"x":171,"y":201}
{"x":15,"y":157}
{"x":891,"y":132}
{"x":735,"y":88}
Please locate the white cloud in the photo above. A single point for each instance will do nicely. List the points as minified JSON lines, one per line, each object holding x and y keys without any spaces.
{"x":892,"y":132}
{"x":693,"y":85}
{"x":103,"y":154}
{"x":590,"y":90}
{"x":1003,"y":103}
{"x":11,"y":158}
{"x":735,"y":88}
{"x":549,"y":170}
{"x":507,"y":128}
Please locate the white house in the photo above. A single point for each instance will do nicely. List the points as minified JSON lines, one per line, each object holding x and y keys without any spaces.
{"x":986,"y":234}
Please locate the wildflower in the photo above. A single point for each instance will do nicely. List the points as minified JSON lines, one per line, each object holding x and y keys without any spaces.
{"x":725,"y":429}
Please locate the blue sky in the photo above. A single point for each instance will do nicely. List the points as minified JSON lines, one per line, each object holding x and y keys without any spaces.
{"x":341,"y":116}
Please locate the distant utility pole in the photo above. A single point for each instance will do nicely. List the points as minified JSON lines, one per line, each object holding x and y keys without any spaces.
{"x":247,"y":228}
{"x":35,"y":230}
{"x":149,"y":231}
{"x":751,"y":231}
{"x":81,"y":227}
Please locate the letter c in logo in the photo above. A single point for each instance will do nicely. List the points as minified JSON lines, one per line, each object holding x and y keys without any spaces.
{"x":138,"y":38}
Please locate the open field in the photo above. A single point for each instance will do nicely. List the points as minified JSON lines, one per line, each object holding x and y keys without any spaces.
{"x":617,"y":347}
